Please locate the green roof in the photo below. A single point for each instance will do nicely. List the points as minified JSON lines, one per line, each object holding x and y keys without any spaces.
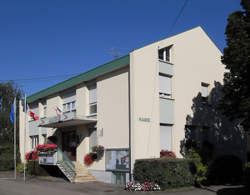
{"x":91,"y":74}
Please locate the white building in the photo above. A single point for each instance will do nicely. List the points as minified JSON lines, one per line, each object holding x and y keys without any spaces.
{"x":136,"y":103}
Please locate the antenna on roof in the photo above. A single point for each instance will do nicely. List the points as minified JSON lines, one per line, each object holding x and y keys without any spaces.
{"x":115,"y":52}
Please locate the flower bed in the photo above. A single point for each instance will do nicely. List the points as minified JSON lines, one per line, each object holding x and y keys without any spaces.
{"x":146,"y":186}
{"x":167,"y":154}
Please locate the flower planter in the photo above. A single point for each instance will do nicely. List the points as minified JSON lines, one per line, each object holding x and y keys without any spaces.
{"x":47,"y":158}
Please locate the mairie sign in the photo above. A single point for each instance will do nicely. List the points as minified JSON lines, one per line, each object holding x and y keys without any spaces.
{"x":143,"y":119}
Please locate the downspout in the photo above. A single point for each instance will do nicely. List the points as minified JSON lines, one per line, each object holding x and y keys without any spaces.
{"x":129,"y":122}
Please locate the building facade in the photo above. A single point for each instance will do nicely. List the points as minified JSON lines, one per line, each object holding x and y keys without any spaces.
{"x":134,"y":106}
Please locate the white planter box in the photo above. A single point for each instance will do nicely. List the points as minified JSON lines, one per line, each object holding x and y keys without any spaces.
{"x":47,"y":159}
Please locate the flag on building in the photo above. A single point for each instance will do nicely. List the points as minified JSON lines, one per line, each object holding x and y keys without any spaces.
{"x":58,"y":112}
{"x":12,"y":113}
{"x":34,"y":116}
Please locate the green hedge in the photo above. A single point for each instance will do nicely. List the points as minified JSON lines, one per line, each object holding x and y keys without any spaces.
{"x":168,"y":173}
{"x":35,"y":169}
{"x":6,"y":165}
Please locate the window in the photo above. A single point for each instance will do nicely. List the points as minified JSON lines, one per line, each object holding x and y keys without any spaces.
{"x":44,"y":111}
{"x":204,"y":89}
{"x":73,"y":105}
{"x":164,"y":54}
{"x":165,"y":137}
{"x":165,"y":86}
{"x":34,"y":141}
{"x":69,"y":101}
{"x":92,"y":100}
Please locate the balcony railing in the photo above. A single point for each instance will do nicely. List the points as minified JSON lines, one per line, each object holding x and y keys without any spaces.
{"x":53,"y":158}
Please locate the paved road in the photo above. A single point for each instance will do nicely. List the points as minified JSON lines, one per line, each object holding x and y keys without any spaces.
{"x":38,"y":186}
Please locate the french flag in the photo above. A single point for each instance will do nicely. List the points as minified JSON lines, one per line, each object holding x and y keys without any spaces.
{"x":58,"y":112}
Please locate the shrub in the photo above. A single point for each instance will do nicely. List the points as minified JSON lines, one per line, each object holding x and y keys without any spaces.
{"x":167,"y":154}
{"x":6,"y":165}
{"x":34,"y":168}
{"x":226,"y":169}
{"x":201,"y":169}
{"x":168,"y":173}
{"x":20,"y":166}
{"x":247,"y":175}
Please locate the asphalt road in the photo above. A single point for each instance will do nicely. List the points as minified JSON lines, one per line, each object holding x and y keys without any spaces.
{"x":56,"y":186}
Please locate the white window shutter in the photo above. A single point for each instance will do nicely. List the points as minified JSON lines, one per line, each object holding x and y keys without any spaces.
{"x":165,"y":137}
{"x":92,"y":95}
{"x":165,"y":84}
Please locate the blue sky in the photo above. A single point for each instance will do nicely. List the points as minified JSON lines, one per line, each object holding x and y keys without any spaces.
{"x":43,"y":38}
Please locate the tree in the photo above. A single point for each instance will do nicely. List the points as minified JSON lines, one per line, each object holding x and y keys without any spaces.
{"x":236,"y":100}
{"x":8,"y":91}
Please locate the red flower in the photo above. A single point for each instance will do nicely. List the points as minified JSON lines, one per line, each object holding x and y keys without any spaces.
{"x":88,"y":159}
{"x":167,"y":154}
{"x":32,"y":155}
{"x":28,"y":156}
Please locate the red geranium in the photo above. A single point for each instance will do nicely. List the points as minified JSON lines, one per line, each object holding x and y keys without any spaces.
{"x":32,"y":155}
{"x":88,"y":159}
{"x":167,"y":154}
{"x":46,"y":147}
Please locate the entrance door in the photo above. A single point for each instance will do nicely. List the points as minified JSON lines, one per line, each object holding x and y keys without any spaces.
{"x":69,"y":143}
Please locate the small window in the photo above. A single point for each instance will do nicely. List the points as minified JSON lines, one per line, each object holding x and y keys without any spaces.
{"x":73,"y":105}
{"x":64,"y":107}
{"x":44,"y":110}
{"x":93,"y":108}
{"x":92,"y":99}
{"x":204,"y":89}
{"x":34,"y":141}
{"x":164,"y":54}
{"x":68,"y":106}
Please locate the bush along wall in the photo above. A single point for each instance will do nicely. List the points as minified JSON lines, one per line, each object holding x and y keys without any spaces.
{"x":35,"y":169}
{"x":168,"y":173}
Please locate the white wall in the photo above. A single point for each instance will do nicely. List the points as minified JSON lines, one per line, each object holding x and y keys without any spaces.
{"x":112,"y":112}
{"x":196,"y":59}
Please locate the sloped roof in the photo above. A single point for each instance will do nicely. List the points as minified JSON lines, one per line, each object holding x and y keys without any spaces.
{"x":86,"y":76}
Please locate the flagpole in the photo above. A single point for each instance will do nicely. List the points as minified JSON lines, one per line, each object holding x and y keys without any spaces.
{"x":15,"y":137}
{"x":25,"y":119}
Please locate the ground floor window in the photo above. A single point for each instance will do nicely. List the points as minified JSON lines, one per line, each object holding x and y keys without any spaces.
{"x":117,"y":159}
{"x":119,"y":178}
{"x":34,"y":140}
{"x":166,"y":137}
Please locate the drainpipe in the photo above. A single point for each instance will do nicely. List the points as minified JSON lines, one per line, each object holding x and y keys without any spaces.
{"x":129,"y":122}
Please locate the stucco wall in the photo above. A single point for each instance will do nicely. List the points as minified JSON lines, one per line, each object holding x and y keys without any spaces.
{"x":196,"y":59}
{"x":112,"y":112}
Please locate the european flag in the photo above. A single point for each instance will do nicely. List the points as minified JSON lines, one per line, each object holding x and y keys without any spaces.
{"x":12,"y":113}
